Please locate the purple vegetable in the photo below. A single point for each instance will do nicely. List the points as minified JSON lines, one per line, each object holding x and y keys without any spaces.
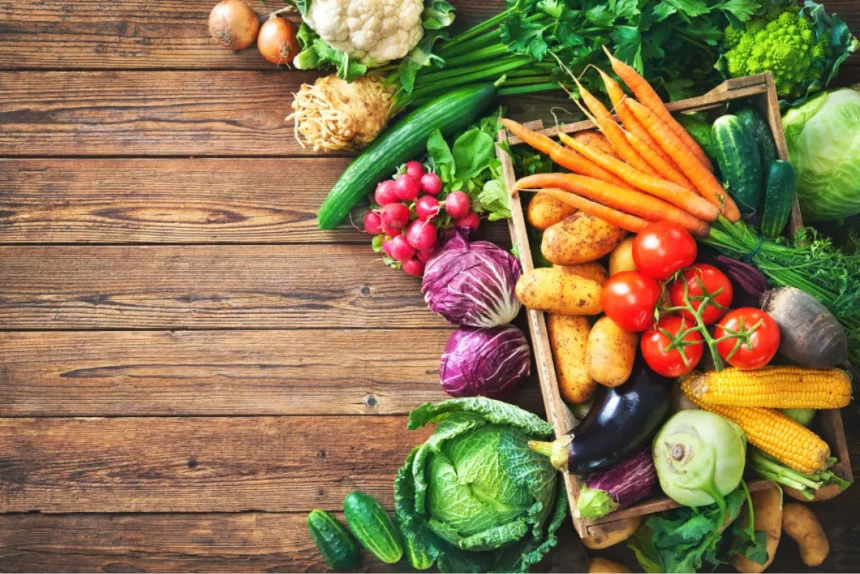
{"x":472,"y":284}
{"x":484,"y":362}
{"x":618,"y":487}
{"x":750,"y":279}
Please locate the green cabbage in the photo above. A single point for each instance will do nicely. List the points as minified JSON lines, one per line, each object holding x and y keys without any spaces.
{"x":474,"y":495}
{"x":823,"y":137}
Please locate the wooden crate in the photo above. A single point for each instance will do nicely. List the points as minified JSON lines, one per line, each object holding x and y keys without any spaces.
{"x":759,"y":89}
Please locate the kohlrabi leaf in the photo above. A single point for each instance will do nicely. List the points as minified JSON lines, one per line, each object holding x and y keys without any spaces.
{"x":494,"y":411}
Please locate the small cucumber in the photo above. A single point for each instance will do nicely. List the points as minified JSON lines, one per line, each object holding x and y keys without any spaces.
{"x":334,"y":542}
{"x":740,"y":163}
{"x":778,"y":198}
{"x":373,"y":527}
{"x":759,"y":128}
{"x":418,"y":553}
{"x":700,"y":130}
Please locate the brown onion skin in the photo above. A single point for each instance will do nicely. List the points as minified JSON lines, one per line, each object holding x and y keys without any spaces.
{"x":233,"y":24}
{"x":277,"y":41}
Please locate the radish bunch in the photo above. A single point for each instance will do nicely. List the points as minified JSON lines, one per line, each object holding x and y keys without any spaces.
{"x":407,"y":214}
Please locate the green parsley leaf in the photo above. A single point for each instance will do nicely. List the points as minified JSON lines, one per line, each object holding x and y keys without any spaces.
{"x":600,"y":15}
{"x":628,"y":46}
{"x":524,"y":37}
{"x":691,"y":8}
{"x":624,"y":8}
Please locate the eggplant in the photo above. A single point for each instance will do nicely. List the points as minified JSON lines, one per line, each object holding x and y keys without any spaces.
{"x":618,"y":487}
{"x":622,"y":420}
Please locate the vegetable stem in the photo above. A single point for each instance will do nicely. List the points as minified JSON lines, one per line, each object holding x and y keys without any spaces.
{"x":478,"y":29}
{"x":530,"y":89}
{"x":477,"y":55}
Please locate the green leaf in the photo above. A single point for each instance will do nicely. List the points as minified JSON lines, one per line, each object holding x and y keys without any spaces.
{"x":302,"y":6}
{"x":600,"y":15}
{"x":492,"y":410}
{"x":742,"y":10}
{"x":554,"y":8}
{"x":624,"y":8}
{"x":437,"y":14}
{"x":440,"y":157}
{"x":691,"y":8}
{"x":472,"y":153}
{"x":663,"y":10}
{"x":420,"y":56}
{"x":524,"y":37}
{"x":628,"y":46}
{"x":376,"y":243}
{"x":495,"y":200}
{"x":495,"y":537}
{"x":678,"y":89}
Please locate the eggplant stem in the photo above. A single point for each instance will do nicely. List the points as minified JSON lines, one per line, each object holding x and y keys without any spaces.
{"x":556,"y":450}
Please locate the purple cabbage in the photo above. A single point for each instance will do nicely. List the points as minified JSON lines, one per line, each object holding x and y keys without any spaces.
{"x":484,"y":362}
{"x":472,"y":284}
{"x":618,"y":487}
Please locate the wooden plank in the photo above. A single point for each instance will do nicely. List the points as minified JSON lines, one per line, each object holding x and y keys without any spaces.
{"x":98,"y":373}
{"x":125,"y":34}
{"x":174,"y":201}
{"x":189,"y":464}
{"x":155,"y":113}
{"x":238,"y":287}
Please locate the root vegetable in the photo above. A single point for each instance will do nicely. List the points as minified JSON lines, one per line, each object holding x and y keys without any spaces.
{"x":567,"y":338}
{"x":800,"y":523}
{"x":372,"y":223}
{"x":767,"y":517}
{"x":544,"y":211}
{"x":421,"y":234}
{"x":604,"y":537}
{"x":414,"y":267}
{"x":549,"y":289}
{"x":431,"y":184}
{"x":427,"y":207}
{"x":395,"y":215}
{"x":621,"y":258}
{"x":457,"y":204}
{"x":385,"y":192}
{"x":580,"y":238}
{"x":233,"y":24}
{"x":415,"y":169}
{"x":610,"y":352}
{"x":471,"y":221}
{"x":407,"y":187}
{"x":591,"y":270}
{"x":277,"y":40}
{"x":599,"y":565}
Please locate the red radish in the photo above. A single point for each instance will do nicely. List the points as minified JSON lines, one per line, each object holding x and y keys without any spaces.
{"x":396,"y":215}
{"x":415,"y":169}
{"x":425,"y":254}
{"x":399,"y":248}
{"x":457,"y":204}
{"x":430,"y":183}
{"x":386,"y":246}
{"x":421,"y":234}
{"x":390,"y":231}
{"x":385,"y":192}
{"x":426,"y":207}
{"x":407,"y":187}
{"x":414,"y":267}
{"x":471,"y":221}
{"x":372,"y":223}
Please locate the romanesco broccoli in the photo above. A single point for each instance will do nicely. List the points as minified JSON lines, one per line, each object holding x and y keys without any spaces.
{"x":783,"y":42}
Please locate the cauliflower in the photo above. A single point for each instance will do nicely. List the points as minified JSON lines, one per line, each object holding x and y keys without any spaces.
{"x":783,"y":42}
{"x":373,"y":31}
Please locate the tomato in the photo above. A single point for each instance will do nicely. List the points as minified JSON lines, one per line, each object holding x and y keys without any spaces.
{"x":757,"y":347}
{"x":671,"y":363}
{"x":662,"y":249}
{"x":629,"y":299}
{"x":703,"y":279}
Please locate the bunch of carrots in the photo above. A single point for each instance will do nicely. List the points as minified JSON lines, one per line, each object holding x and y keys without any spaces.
{"x":653,"y":171}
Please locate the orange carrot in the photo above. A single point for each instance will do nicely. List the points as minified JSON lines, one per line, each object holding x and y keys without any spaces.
{"x":704,"y":180}
{"x":651,"y":100}
{"x":665,"y":190}
{"x":596,"y":140}
{"x":611,"y":216}
{"x":626,"y":200}
{"x":667,"y":169}
{"x":564,"y":157}
{"x":631,"y":124}
{"x":613,"y":132}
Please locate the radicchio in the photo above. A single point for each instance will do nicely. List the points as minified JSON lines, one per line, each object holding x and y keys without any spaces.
{"x":484,"y":362}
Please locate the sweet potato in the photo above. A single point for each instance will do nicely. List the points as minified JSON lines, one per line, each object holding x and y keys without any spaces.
{"x":621,"y":258}
{"x":544,"y":210}
{"x":550,"y":289}
{"x":800,"y":523}
{"x":568,"y":337}
{"x":605,"y":537}
{"x":599,"y":565}
{"x":767,"y":512}
{"x":594,"y":271}
{"x":580,"y":238}
{"x":610,"y":352}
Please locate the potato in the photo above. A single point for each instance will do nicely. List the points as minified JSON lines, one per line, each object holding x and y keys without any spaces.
{"x":599,"y":565}
{"x":544,"y":210}
{"x":799,"y":523}
{"x":767,"y":509}
{"x":823,"y":493}
{"x":567,"y":337}
{"x":604,"y":537}
{"x":594,"y":271}
{"x":580,"y":238}
{"x":610,"y":352}
{"x":596,"y":140}
{"x":621,"y":258}
{"x":550,"y":289}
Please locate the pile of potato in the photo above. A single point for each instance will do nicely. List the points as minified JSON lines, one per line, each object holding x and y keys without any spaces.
{"x":585,"y":354}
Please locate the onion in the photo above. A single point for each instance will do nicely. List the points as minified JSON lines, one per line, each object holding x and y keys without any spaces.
{"x":233,"y":24}
{"x":277,"y":40}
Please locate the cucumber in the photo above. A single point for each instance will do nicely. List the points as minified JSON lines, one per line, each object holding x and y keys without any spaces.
{"x":401,"y":142}
{"x":778,"y":198}
{"x":700,"y":130}
{"x":759,"y":128}
{"x":418,"y":552}
{"x":740,"y":163}
{"x":334,"y":542}
{"x":373,"y":527}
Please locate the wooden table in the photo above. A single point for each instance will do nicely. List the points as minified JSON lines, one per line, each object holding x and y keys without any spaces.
{"x":187,"y":365}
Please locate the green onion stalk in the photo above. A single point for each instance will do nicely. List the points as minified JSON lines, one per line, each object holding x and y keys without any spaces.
{"x":771,"y":469}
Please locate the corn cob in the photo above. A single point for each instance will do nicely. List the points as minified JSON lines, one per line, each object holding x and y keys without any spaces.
{"x":773,"y":387}
{"x":786,"y":440}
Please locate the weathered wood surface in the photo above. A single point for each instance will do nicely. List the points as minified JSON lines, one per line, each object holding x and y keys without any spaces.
{"x":206,"y":286}
{"x":145,"y":373}
{"x":249,"y":200}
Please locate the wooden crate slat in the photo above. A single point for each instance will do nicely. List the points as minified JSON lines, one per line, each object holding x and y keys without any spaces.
{"x":206,"y":287}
